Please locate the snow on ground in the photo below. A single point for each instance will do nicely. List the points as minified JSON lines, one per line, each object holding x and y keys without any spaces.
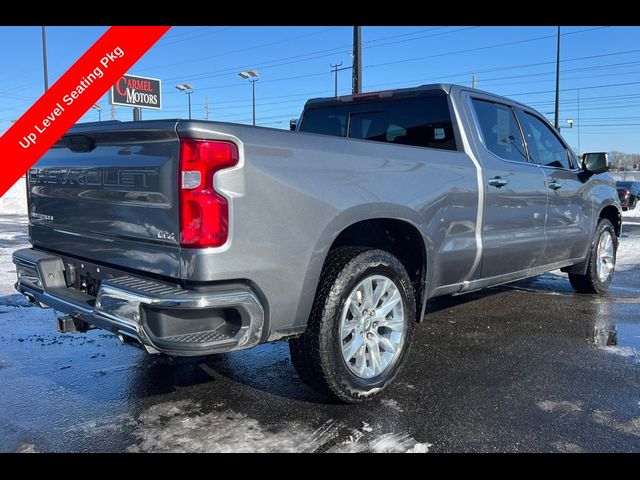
{"x":562,"y":406}
{"x":629,"y":251}
{"x":13,"y":235}
{"x":26,"y":448}
{"x":14,"y":202}
{"x":182,"y":426}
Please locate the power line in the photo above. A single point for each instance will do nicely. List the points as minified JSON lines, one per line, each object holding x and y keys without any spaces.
{"x":171,"y":34}
{"x":564,"y":78}
{"x":297,"y":37}
{"x":162,"y":45}
{"x":301,"y":58}
{"x":608,"y":125}
{"x":261,"y":45}
{"x":486,"y":47}
{"x":573,"y":89}
{"x":466,"y":73}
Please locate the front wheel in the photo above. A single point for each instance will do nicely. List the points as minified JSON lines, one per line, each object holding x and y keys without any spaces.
{"x":360,"y":328}
{"x":601,"y":262}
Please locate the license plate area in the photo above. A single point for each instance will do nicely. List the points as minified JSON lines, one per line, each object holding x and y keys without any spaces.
{"x":86,"y":277}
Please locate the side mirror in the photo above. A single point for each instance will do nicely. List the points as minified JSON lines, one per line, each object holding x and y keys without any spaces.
{"x":293,"y":124}
{"x":595,"y":162}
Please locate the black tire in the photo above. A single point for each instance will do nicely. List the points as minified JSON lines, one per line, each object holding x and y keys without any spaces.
{"x":590,"y":282}
{"x":317,"y":355}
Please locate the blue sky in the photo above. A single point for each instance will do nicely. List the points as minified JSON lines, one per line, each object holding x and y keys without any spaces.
{"x":600,"y":70}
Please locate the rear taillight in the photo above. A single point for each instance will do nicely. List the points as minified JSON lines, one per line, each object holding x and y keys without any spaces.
{"x":204,"y":213}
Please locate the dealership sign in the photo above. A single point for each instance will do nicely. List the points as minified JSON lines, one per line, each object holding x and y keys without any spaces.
{"x":133,"y":91}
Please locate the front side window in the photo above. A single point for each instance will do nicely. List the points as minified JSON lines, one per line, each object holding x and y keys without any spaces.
{"x":545,"y":148}
{"x":500,"y":130}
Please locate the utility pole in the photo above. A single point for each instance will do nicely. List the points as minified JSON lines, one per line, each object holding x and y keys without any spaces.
{"x":474,"y":81}
{"x":44,"y":59}
{"x":556,"y":120}
{"x":113,"y":112}
{"x":357,"y":60}
{"x":206,"y":108}
{"x":334,"y":70}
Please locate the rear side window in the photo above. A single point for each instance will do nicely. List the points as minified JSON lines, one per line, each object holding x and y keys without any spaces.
{"x":325,"y":122}
{"x":417,"y":121}
{"x":500,"y":130}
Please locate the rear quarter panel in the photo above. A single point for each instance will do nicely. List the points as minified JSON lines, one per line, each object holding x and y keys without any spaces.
{"x":295,"y":192}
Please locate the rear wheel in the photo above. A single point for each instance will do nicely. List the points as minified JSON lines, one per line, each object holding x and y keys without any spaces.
{"x":360,"y":328}
{"x":601,"y":262}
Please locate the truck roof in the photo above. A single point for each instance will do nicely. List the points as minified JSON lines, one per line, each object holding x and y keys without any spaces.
{"x":445,"y":88}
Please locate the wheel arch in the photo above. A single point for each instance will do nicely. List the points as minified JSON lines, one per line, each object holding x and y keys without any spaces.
{"x":612,"y":213}
{"x":394,"y":228}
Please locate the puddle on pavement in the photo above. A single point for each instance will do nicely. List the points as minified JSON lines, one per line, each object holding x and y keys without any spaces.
{"x":613,"y":334}
{"x":628,"y":335}
{"x":609,"y":322}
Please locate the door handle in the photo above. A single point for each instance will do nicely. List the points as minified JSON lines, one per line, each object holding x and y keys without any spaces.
{"x":555,"y":185}
{"x":499,"y":182}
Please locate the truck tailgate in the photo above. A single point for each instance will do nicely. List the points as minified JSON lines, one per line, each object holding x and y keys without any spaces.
{"x":109,"y":193}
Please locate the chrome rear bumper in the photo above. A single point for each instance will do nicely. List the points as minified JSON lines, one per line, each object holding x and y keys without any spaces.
{"x":162,"y":317}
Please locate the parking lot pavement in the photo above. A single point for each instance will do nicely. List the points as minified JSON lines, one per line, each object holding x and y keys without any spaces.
{"x":526,"y":367}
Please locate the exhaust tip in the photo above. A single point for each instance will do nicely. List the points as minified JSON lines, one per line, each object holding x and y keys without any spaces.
{"x":30,"y":298}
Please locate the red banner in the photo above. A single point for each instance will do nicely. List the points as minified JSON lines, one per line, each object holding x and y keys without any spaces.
{"x":70,"y":98}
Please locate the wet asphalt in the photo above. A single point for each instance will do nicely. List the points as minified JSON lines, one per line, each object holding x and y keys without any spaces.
{"x":529,"y":367}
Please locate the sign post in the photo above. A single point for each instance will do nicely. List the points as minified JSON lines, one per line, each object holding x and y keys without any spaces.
{"x":137,"y":92}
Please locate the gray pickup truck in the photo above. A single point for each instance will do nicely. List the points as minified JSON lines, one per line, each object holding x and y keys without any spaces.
{"x":196,"y":238}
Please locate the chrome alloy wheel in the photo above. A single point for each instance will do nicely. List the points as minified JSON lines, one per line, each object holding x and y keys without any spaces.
{"x":372,"y":326}
{"x":605,"y":259}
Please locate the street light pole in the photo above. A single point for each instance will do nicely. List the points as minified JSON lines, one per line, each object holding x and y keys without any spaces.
{"x":44,"y":59}
{"x":253,"y":77}
{"x":188,"y":89}
{"x":253,"y":88}
{"x":99,"y":109}
{"x":556,"y":122}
